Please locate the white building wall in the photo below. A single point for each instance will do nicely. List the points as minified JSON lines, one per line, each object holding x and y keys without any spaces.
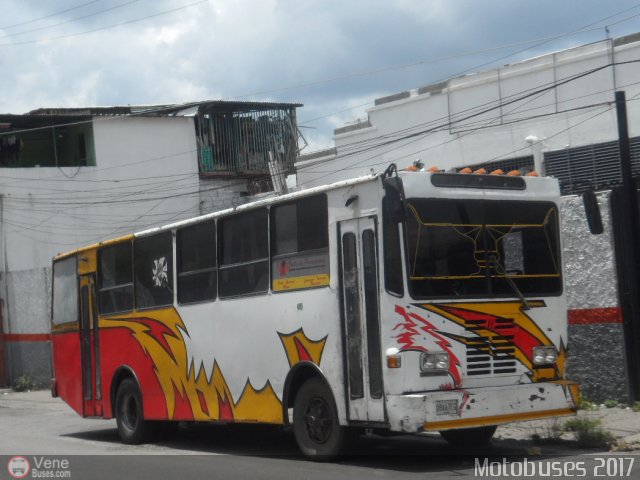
{"x":432,"y":124}
{"x":146,"y":174}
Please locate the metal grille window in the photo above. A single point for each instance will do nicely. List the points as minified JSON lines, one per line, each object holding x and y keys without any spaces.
{"x":237,"y":140}
{"x":589,"y":167}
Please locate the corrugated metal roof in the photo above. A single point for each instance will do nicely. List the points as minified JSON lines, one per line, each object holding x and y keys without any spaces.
{"x":177,"y":109}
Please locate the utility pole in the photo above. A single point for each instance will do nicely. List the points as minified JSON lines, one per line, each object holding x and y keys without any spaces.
{"x":629,"y":291}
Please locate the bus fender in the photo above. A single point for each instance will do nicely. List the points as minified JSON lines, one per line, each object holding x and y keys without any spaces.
{"x":300,"y":373}
{"x":124,"y":371}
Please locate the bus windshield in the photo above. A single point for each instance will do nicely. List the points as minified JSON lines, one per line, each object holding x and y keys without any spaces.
{"x":481,"y":248}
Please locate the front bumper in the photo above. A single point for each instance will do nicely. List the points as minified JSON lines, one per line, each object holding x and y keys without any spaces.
{"x":450,"y":409}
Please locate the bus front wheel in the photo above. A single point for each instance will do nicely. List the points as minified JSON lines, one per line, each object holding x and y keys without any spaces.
{"x":132,"y":427}
{"x":470,"y":436}
{"x":315,"y":421}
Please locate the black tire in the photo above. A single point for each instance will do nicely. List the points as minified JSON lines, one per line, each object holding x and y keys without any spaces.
{"x":469,"y":437}
{"x":315,"y":421}
{"x":132,"y":427}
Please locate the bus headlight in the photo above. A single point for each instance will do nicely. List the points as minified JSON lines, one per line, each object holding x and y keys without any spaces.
{"x":544,"y":355}
{"x":436,"y":362}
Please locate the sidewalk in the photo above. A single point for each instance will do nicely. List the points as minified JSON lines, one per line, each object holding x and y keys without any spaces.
{"x":623,"y":423}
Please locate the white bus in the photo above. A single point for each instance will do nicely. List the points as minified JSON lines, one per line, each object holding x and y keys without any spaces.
{"x":404,"y":301}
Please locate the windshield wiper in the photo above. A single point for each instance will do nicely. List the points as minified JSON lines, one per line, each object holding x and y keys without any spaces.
{"x":493,"y":260}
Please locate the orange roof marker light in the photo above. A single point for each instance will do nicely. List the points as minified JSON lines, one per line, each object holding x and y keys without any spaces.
{"x":532,"y":174}
{"x":497,"y":171}
{"x":465,"y":171}
{"x":480,"y":171}
{"x":417,"y":166}
{"x":514,"y":173}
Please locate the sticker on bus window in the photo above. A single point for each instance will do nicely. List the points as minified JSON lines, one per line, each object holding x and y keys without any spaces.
{"x":159,"y":272}
{"x":300,"y":271}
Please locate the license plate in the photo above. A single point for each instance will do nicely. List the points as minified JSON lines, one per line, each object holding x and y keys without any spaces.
{"x":447,"y":407}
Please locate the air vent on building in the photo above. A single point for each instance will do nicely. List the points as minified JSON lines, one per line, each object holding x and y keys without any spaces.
{"x":591,"y":167}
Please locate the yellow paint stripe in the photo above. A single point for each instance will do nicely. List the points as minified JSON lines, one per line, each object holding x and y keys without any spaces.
{"x":112,"y":241}
{"x":496,"y":419}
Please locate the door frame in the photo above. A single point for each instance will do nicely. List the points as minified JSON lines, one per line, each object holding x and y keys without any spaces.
{"x":366,"y":409}
{"x":89,"y":347}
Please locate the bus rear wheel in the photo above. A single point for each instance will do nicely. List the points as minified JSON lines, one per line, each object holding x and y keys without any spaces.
{"x":468,"y":437}
{"x":315,"y":421}
{"x":132,"y":427}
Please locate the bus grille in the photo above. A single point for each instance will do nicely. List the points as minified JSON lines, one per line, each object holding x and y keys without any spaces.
{"x":492,"y":355}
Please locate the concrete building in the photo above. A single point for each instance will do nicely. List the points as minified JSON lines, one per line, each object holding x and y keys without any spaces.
{"x":72,"y":177}
{"x":555,"y":113}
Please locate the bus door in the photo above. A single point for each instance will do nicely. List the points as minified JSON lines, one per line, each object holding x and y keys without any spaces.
{"x":90,"y":348}
{"x":359,"y":276}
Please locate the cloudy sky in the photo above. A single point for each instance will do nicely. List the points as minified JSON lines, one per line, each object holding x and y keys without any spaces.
{"x":333,"y":56}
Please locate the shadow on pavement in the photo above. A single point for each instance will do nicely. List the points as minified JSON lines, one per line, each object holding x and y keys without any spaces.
{"x":407,"y":453}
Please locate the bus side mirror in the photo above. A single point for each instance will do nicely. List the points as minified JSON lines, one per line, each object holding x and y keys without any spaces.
{"x":592,"y":211}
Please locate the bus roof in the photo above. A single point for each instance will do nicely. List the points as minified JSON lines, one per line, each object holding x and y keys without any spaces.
{"x":246,"y":206}
{"x":542,"y":184}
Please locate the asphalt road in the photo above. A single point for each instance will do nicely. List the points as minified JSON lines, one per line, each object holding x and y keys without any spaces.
{"x":47,"y":434}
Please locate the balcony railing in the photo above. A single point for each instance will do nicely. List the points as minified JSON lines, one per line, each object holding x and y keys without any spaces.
{"x":239,"y":142}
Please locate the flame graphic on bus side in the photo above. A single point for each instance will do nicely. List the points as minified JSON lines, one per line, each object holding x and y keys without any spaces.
{"x":300,"y":348}
{"x":188,"y":392}
{"x":526,"y":333}
{"x":412,"y":326}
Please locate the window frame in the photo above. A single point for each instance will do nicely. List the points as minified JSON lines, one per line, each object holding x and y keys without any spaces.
{"x":131,"y":284}
{"x":557,"y":225}
{"x":74,"y":284}
{"x":221,"y":267}
{"x":324,"y":250}
{"x":182,"y":274}
{"x":170,"y":263}
{"x":397,"y":228}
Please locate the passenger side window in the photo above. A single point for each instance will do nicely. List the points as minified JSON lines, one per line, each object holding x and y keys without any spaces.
{"x":392,"y":253}
{"x":300,"y":244}
{"x":154,"y":270}
{"x":244,"y":254}
{"x":197,"y":274}
{"x":65,"y":291}
{"x":115,"y":279}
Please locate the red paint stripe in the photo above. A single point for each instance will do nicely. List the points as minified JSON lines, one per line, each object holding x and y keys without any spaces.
{"x":27,"y":337}
{"x":594,"y":316}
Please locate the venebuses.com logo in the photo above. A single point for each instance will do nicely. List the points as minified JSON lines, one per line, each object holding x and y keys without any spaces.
{"x":18,"y":467}
{"x":38,"y":467}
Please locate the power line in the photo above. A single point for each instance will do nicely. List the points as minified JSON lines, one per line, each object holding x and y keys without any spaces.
{"x":128,"y":22}
{"x":539,"y":42}
{"x":530,"y":93}
{"x":59,"y":12}
{"x":414,"y":138}
{"x":71,"y":20}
